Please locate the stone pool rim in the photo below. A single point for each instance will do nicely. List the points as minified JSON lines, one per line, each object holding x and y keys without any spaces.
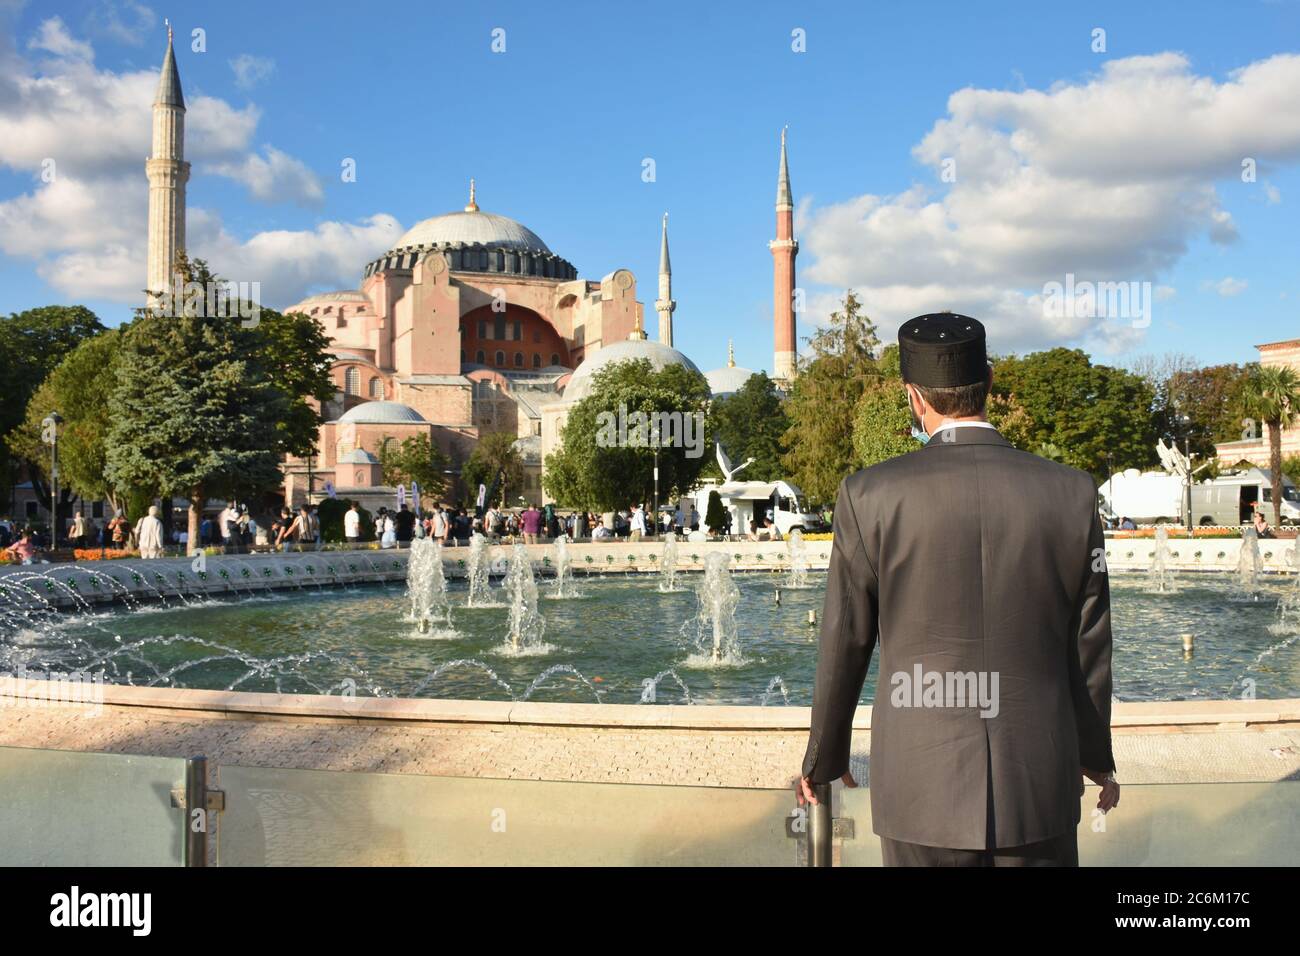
{"x":1204,"y":714}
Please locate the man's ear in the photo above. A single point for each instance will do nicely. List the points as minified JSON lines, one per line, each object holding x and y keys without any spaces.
{"x":913,"y":400}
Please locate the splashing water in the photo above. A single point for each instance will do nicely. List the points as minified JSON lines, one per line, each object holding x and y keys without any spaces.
{"x":564,"y":586}
{"x":526,"y":625}
{"x":427,"y":586}
{"x":1249,"y":565}
{"x":479,"y":573}
{"x":1160,"y":579}
{"x":797,"y":550}
{"x":668,"y":564}
{"x":716,"y":640}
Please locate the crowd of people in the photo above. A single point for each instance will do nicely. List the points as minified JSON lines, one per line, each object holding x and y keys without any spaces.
{"x":235,"y":530}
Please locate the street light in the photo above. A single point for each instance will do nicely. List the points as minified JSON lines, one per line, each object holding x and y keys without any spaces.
{"x":1186,"y":422}
{"x":50,"y":435}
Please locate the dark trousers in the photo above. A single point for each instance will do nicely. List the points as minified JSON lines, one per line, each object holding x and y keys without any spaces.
{"x":1058,"y":851}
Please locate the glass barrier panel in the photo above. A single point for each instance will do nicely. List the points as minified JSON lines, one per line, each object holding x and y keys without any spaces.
{"x":1156,"y":824}
{"x":65,"y":808}
{"x":333,"y":818}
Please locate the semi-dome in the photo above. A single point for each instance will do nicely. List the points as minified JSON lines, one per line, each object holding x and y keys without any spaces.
{"x":469,"y":227}
{"x":659,"y":356}
{"x":382,"y":413}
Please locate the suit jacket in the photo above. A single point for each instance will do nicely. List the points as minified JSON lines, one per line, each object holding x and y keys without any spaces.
{"x":976,"y":562}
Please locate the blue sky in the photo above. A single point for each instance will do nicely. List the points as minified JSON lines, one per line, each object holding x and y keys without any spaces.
{"x":556,"y":128}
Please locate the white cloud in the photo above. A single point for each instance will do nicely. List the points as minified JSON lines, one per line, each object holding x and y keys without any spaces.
{"x":53,"y":37}
{"x":124,"y":21}
{"x":1109,"y":179}
{"x":250,"y":70}
{"x":1227,"y":286}
{"x":85,"y":228}
{"x":275,"y":176}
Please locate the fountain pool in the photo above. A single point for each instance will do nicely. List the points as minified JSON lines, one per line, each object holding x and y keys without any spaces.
{"x":608,"y":644}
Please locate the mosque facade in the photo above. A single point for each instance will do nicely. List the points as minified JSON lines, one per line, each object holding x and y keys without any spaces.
{"x":470,"y":324}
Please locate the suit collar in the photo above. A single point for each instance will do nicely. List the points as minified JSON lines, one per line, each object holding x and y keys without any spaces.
{"x":966,"y":436}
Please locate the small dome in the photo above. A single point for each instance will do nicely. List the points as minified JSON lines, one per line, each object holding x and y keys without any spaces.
{"x":382,"y":413}
{"x":727,"y":380}
{"x":358,"y":456}
{"x":659,"y":355}
{"x":469,"y":227}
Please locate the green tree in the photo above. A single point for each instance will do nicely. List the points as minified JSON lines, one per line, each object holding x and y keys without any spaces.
{"x":819,"y":444}
{"x":32,"y":343}
{"x":80,"y":389}
{"x":882,"y":426}
{"x":749,"y":423}
{"x":1089,"y":412}
{"x":495,"y":461}
{"x":1213,"y":399}
{"x":416,"y":459}
{"x":1272,"y":396}
{"x":195,"y":411}
{"x":597,"y":467}
{"x":294,"y":349}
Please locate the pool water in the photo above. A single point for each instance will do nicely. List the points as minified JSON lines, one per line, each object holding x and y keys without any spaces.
{"x":610,"y":644}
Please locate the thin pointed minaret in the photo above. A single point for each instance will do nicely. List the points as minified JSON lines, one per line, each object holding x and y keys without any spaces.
{"x":784,"y":248}
{"x":168,"y":173}
{"x":665,"y":305}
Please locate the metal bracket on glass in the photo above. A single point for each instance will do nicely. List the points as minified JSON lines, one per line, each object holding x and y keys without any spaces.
{"x":216,"y":799}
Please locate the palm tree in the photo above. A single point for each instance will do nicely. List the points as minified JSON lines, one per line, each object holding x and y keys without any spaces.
{"x":1272,"y":396}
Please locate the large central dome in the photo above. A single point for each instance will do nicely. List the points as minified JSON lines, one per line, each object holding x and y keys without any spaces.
{"x":469,"y":227}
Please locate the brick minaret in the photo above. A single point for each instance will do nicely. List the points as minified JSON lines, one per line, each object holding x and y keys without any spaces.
{"x":784,"y":248}
{"x":665,"y":305}
{"x":168,"y":172}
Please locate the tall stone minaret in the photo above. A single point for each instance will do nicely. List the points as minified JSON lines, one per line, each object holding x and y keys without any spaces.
{"x":665,"y":305}
{"x":784,"y":248}
{"x":168,"y":172}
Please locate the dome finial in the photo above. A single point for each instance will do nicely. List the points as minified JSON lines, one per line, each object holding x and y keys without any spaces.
{"x":731,"y":353}
{"x":473,"y":206}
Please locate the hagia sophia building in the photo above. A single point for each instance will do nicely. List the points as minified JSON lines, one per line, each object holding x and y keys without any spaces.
{"x":470,"y":324}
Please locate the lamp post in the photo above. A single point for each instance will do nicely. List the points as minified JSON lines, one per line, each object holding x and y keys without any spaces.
{"x":1186,"y":422}
{"x":50,"y":434}
{"x":654,"y":513}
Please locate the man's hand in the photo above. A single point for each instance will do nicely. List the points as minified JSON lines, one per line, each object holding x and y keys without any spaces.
{"x":1109,"y":798}
{"x":803,"y":790}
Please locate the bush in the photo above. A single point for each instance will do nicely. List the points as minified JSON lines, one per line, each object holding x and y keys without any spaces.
{"x":715,"y":516}
{"x":331,"y":511}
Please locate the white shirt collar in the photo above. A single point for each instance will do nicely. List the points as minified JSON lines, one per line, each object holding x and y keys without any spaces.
{"x":961,"y":425}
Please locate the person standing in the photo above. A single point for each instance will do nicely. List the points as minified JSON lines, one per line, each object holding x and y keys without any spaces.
{"x":638,"y":523}
{"x":352,"y":525}
{"x":532,"y":524}
{"x":118,"y":527}
{"x":980,"y":570}
{"x":77,"y":533}
{"x":149,"y":532}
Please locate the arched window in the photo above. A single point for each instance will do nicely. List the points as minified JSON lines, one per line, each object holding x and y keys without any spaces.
{"x":537,"y":360}
{"x":376,"y":387}
{"x":480,"y":357}
{"x":555,"y":358}
{"x":500,"y":358}
{"x":519,"y":360}
{"x":352,"y":380}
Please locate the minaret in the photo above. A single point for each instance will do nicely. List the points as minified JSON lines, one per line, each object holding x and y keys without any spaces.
{"x":784,"y":248}
{"x":168,"y":172}
{"x":665,"y":305}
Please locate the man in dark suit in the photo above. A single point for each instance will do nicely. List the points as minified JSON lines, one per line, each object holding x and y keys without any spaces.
{"x":980,"y":570}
